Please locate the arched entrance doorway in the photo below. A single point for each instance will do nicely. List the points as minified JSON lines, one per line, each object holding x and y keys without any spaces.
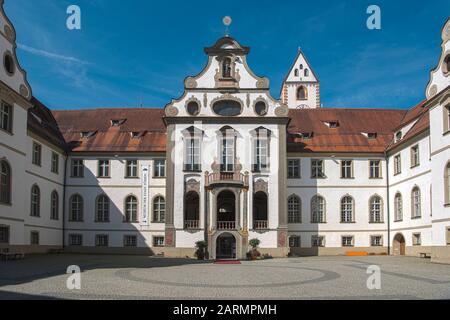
{"x":226,"y":246}
{"x":260,"y":210}
{"x":226,"y":210}
{"x":399,"y":245}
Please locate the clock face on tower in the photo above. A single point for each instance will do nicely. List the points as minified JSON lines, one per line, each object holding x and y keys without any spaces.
{"x":302,"y":106}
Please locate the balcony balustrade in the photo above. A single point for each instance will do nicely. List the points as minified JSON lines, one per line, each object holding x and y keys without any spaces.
{"x":227,"y":177}
{"x":226,"y":225}
{"x":191,"y":224}
{"x":260,"y":224}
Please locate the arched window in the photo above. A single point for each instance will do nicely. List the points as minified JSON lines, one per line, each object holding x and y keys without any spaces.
{"x":306,"y":72}
{"x":5,"y":182}
{"x":447,"y":64}
{"x":317,"y":209}
{"x":398,"y":207}
{"x":375,"y":207}
{"x":131,"y":209}
{"x":294,"y":209}
{"x":347,"y":208}
{"x":191,"y":210}
{"x":302,"y":93}
{"x":54,"y":206}
{"x":35,"y":201}
{"x":301,"y":66}
{"x":76,"y":208}
{"x":159,"y":209}
{"x":415,"y":203}
{"x":447,"y":184}
{"x":296,"y":72}
{"x":102,"y":209}
{"x":226,"y":68}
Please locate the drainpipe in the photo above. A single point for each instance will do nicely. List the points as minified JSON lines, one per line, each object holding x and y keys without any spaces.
{"x":64,"y":202}
{"x":388,"y":204}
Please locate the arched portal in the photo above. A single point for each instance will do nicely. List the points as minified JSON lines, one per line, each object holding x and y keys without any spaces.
{"x":226,"y":246}
{"x":260,"y":210}
{"x":226,"y":210}
{"x":399,"y":245}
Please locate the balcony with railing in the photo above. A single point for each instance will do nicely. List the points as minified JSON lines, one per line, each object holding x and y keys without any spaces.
{"x":260,"y":224}
{"x":226,"y":177}
{"x":191,"y":224}
{"x":226,"y":225}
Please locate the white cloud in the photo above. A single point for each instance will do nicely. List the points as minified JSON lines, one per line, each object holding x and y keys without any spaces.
{"x":50,"y":55}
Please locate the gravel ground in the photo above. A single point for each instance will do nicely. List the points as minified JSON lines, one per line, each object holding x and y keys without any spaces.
{"x":140,"y":277}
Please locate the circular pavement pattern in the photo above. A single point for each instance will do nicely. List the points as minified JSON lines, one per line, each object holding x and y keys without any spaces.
{"x":230,"y":276}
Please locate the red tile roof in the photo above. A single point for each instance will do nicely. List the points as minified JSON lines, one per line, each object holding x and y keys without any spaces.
{"x":347,"y":137}
{"x":108,"y":138}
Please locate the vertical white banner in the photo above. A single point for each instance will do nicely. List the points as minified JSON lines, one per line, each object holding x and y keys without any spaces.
{"x":144,"y":198}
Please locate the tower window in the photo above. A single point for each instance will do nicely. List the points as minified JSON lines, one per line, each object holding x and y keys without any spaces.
{"x":296,"y":72}
{"x":226,"y":68}
{"x":8,"y":63}
{"x":302,"y":93}
{"x":301,"y":66}
{"x":446,"y":65}
{"x":306,"y":72}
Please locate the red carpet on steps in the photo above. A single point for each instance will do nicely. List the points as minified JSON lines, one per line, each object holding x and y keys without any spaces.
{"x":227,"y":262}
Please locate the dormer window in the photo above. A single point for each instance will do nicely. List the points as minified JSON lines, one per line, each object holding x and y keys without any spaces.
{"x":306,"y":135}
{"x":398,"y":136}
{"x":117,"y":122}
{"x":332,"y":124}
{"x":371,"y":135}
{"x":226,"y":68}
{"x":137,"y":134}
{"x":87,"y":134}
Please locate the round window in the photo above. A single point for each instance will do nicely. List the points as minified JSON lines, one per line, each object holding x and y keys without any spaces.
{"x":261,"y":108}
{"x":228,"y":108}
{"x":193,"y":108}
{"x":8,"y":63}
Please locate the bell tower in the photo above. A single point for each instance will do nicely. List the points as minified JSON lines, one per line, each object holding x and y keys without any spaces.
{"x":301,"y":87}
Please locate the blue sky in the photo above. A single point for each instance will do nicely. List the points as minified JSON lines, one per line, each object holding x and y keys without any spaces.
{"x":135,"y":51}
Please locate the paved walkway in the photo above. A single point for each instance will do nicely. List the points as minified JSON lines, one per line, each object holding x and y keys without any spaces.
{"x":139,"y":277}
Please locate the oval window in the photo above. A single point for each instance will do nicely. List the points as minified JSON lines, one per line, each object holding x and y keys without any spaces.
{"x":227,"y":108}
{"x":261,"y":108}
{"x":8,"y":62}
{"x":192,"y":108}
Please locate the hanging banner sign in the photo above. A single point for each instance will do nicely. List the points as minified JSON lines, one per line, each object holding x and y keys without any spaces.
{"x":144,"y":197}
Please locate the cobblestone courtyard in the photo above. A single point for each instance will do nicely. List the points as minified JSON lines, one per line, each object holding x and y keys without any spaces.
{"x":139,"y":277}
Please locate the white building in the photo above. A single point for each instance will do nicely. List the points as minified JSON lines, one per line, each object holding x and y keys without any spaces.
{"x":226,"y":163}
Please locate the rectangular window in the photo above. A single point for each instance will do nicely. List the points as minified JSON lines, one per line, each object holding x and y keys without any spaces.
{"x":160,"y":168}
{"x":374,"y":169}
{"x":34,"y":238}
{"x":346,"y":169}
{"x":158,"y":241}
{"x":417,"y":239}
{"x":6,"y":117}
{"x":55,"y":163}
{"x":131,"y":169}
{"x":397,"y":164}
{"x":4,"y":234}
{"x":227,"y":164}
{"x":37,"y":152}
{"x":318,"y":241}
{"x":415,"y":161}
{"x":101,"y":240}
{"x":376,"y":241}
{"x":293,"y":169}
{"x":294,"y":241}
{"x":129,"y":241}
{"x":347,"y":241}
{"x":75,"y":240}
{"x":447,"y":235}
{"x":103,"y":168}
{"x":77,"y":168}
{"x":192,"y":155}
{"x":261,"y":154}
{"x":317,"y":168}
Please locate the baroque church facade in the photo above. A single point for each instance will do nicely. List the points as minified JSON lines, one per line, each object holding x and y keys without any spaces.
{"x":226,"y":163}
